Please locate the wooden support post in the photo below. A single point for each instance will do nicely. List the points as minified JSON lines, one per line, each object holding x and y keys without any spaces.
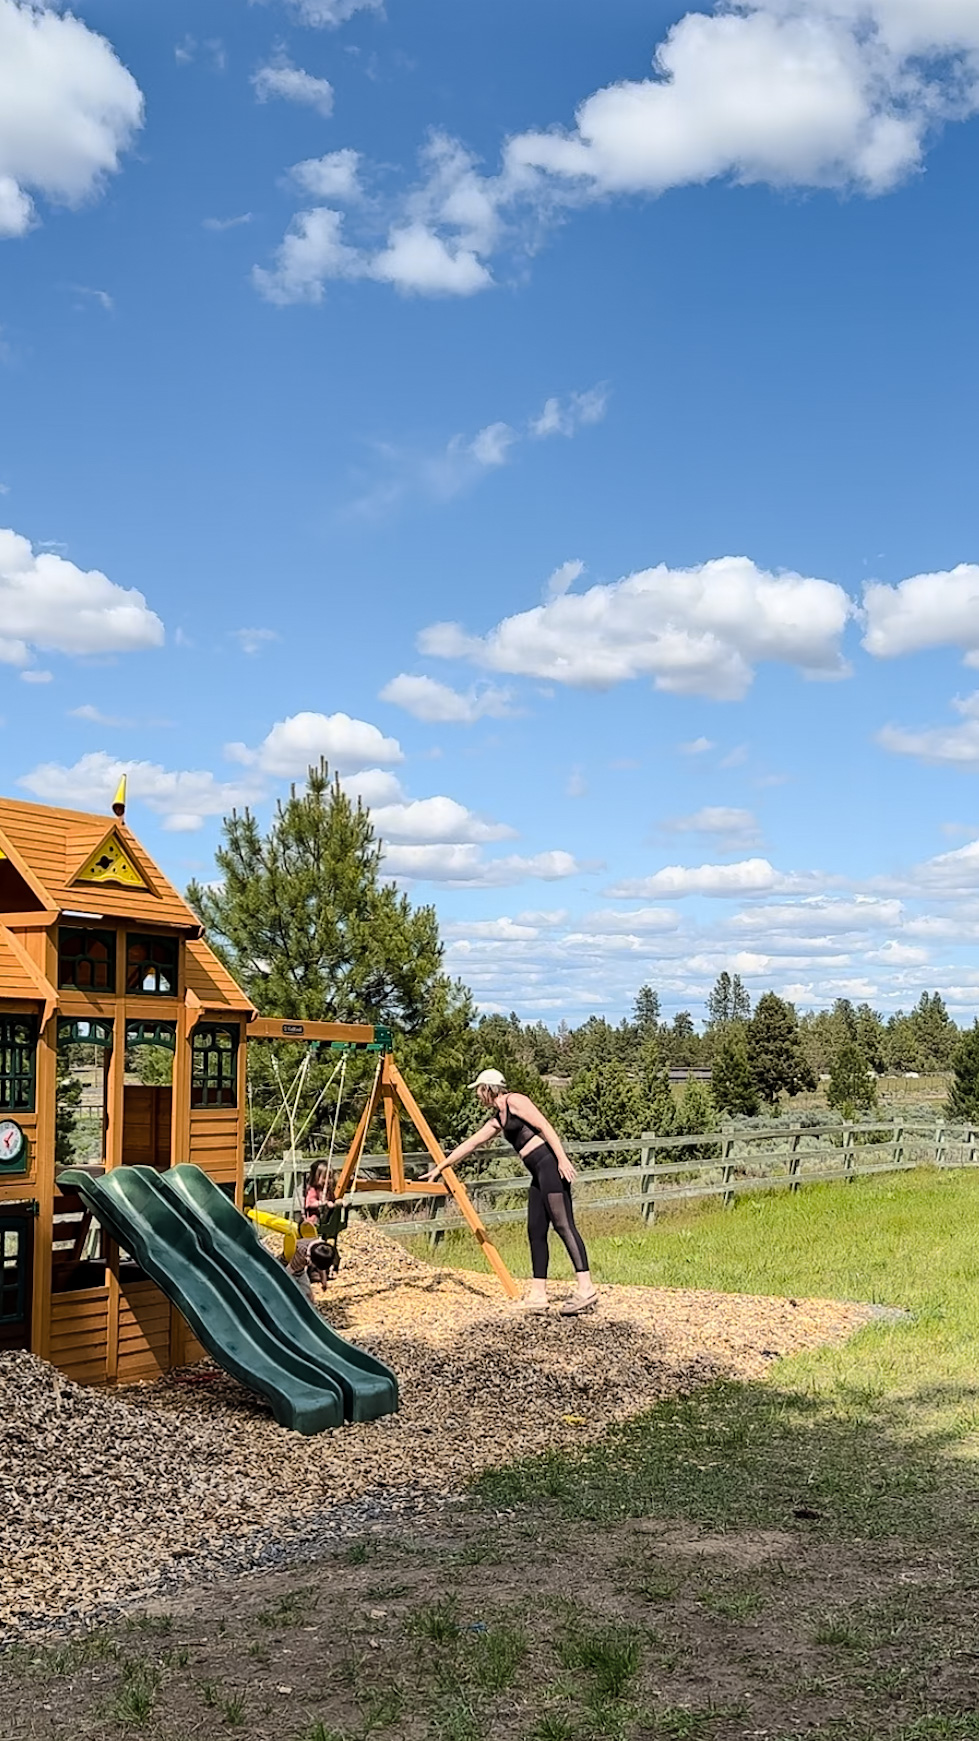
{"x":392,"y":1122}
{"x":898,"y":1156}
{"x":941,"y":1144}
{"x":436,"y":1216}
{"x":973,"y":1147}
{"x":647,"y":1184}
{"x":794,"y":1162}
{"x":727,"y":1170}
{"x":849,"y":1153}
{"x":454,"y":1186}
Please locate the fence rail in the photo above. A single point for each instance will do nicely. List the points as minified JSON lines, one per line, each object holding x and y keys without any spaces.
{"x":727,"y":1164}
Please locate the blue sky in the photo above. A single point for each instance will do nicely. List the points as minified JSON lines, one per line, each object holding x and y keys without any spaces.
{"x":560,"y":415}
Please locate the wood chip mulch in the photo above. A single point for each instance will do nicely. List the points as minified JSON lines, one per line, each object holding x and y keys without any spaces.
{"x":113,"y":1497}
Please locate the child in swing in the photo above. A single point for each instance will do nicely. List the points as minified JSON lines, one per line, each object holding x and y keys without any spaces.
{"x":318,"y":1196}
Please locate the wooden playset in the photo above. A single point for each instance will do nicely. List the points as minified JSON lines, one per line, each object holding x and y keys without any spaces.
{"x":99,"y":951}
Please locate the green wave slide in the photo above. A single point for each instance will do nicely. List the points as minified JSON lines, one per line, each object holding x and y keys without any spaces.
{"x":241,"y":1304}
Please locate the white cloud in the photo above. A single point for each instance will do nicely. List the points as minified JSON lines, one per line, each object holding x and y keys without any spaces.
{"x":68,"y":109}
{"x":697,"y":631}
{"x":221,"y":224}
{"x":465,"y":867}
{"x":927,"y":610}
{"x":948,"y":745}
{"x":436,"y":821}
{"x":183,"y":799}
{"x":335,"y":176}
{"x":819,"y":915}
{"x":644,"y":921}
{"x":297,"y":743}
{"x":373,"y":786}
{"x":328,"y":14}
{"x":438,"y":704}
{"x":751,"y":876}
{"x":293,"y":85}
{"x":418,"y":260}
{"x":567,"y":416}
{"x":492,"y":444}
{"x":48,"y":603}
{"x":576,"y":786}
{"x":37,"y":676}
{"x":562,"y":579}
{"x":697,"y":747}
{"x":311,"y":252}
{"x":790,"y":93}
{"x":252,"y":641}
{"x":737,"y":828}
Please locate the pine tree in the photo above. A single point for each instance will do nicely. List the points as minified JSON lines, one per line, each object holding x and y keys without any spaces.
{"x":728,"y":1001}
{"x":720,"y":1001}
{"x":852,"y":1085}
{"x":311,"y":932}
{"x":600,"y":1102}
{"x":732,"y":1085}
{"x":655,"y":1108}
{"x":646,"y":1012}
{"x":778,"y":1062}
{"x":963,"y":1100}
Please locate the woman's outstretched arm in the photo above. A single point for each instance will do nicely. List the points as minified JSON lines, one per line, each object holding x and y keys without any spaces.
{"x":484,"y":1134}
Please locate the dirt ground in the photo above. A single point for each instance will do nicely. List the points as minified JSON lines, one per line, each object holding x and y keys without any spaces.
{"x":516,"y":1626}
{"x":115,"y":1498}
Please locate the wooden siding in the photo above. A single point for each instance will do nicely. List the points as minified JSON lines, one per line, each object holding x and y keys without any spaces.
{"x":80,"y":1334}
{"x":17,"y":984}
{"x":215,"y":1140}
{"x":144,"y":1333}
{"x":147,"y":1114}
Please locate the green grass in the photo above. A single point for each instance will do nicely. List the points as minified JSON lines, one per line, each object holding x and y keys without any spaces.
{"x":880,"y":1436}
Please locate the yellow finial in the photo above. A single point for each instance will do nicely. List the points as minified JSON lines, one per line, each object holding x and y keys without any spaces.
{"x":119,"y":801}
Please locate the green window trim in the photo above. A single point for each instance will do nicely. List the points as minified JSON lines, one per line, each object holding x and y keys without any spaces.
{"x":76,"y":1031}
{"x":152,"y":965}
{"x":162,"y":1034}
{"x":86,"y":959}
{"x":214,"y":1065}
{"x":18,"y":1063}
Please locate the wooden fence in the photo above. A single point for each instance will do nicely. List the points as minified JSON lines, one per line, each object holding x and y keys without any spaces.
{"x":723,"y":1164}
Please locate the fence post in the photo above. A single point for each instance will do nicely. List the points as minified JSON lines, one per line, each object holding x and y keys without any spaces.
{"x":898,"y":1145}
{"x":941,"y":1144}
{"x":973,"y":1147}
{"x":849,"y":1153}
{"x":727,"y":1169}
{"x":436,"y":1215}
{"x":647,"y":1184}
{"x":794,"y":1162}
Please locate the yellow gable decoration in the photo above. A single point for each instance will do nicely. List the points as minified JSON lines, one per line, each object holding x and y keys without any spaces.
{"x":109,"y":863}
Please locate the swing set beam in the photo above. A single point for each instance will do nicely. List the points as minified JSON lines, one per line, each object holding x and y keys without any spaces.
{"x":391,"y":1093}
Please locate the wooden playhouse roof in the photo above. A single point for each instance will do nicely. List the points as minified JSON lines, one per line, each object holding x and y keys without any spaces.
{"x":51,"y":847}
{"x":55,"y":845}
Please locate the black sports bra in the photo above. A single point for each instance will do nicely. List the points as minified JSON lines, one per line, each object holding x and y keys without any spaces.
{"x":516,"y":1129}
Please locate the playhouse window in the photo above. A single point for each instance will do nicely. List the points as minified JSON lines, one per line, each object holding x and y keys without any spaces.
{"x":18,"y":1056}
{"x":87,"y":959}
{"x":214,"y":1077}
{"x":151,"y":966}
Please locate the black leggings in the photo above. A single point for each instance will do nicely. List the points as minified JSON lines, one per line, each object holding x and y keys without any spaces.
{"x":549,"y":1205}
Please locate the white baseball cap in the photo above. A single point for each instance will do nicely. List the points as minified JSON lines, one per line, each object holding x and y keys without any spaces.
{"x":489,"y":1079}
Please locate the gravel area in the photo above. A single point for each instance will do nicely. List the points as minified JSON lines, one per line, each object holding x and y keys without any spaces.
{"x":112,"y":1498}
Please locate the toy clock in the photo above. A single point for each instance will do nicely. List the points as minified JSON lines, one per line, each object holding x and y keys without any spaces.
{"x":13,"y":1147}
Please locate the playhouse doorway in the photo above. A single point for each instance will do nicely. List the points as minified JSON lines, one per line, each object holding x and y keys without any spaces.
{"x":16,"y":1275}
{"x":147,"y":1099}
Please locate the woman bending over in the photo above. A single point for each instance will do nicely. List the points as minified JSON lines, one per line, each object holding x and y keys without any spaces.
{"x":551,"y":1177}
